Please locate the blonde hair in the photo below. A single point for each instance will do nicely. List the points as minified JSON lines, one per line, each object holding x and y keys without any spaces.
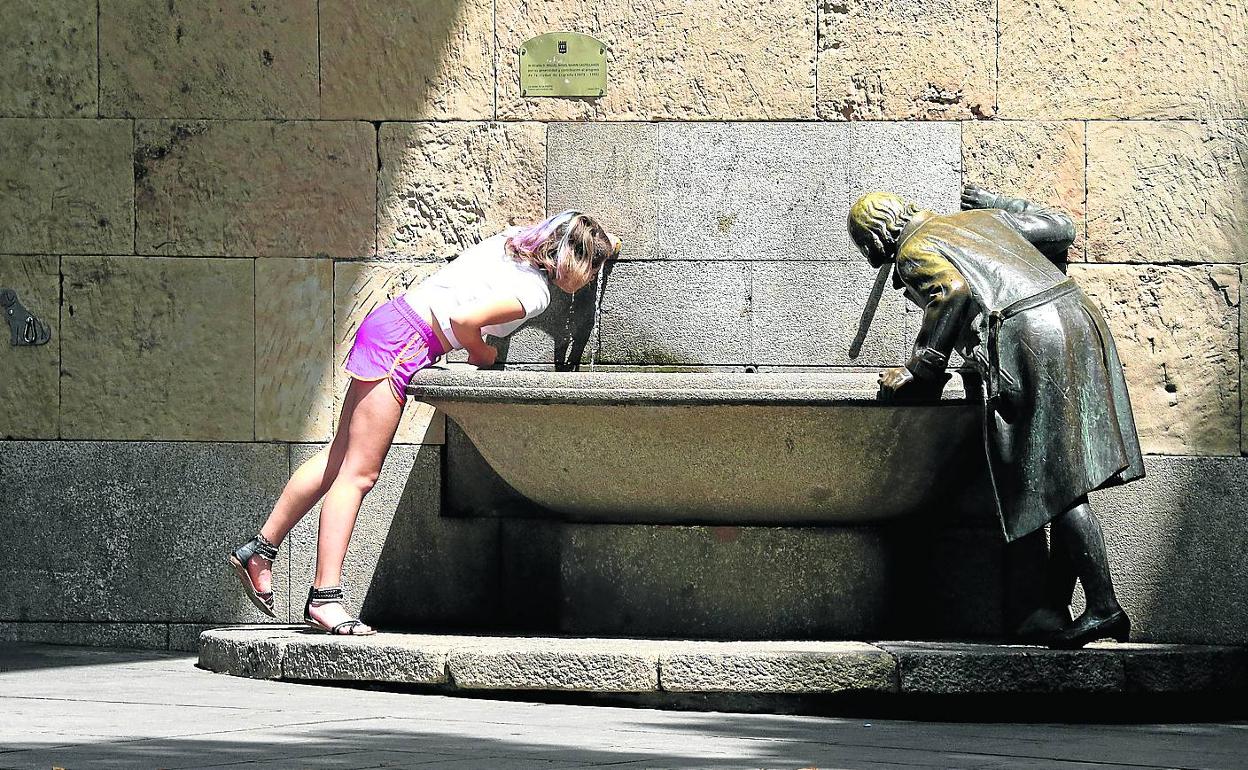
{"x":570,"y":247}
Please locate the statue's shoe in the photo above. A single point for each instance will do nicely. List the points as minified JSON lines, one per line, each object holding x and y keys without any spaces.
{"x":1088,"y":628}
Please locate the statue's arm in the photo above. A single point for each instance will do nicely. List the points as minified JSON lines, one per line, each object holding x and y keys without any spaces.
{"x":1050,"y":230}
{"x":943,"y":294}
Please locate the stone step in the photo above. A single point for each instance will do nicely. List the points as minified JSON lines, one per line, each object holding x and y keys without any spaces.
{"x":641,"y":666}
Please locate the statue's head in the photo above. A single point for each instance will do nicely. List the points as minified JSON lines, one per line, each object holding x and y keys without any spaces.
{"x":875,"y":223}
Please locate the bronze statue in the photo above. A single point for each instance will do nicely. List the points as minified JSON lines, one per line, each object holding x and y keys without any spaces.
{"x":1058,"y":420}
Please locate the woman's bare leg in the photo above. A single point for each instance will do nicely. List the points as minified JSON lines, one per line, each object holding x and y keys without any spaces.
{"x":306,"y":487}
{"x":368,"y":429}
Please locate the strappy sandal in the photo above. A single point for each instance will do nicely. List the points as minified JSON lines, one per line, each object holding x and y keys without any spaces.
{"x":256,"y":548}
{"x":318,"y":597}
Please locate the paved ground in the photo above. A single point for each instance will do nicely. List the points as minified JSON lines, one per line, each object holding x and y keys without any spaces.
{"x":84,"y":708}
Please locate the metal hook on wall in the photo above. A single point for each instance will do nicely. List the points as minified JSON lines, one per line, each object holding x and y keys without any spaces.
{"x":24,"y":328}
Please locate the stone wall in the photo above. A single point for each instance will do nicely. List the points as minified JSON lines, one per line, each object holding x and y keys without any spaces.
{"x":205,"y":199}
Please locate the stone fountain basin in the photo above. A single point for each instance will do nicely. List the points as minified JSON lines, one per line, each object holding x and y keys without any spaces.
{"x":715,"y":447}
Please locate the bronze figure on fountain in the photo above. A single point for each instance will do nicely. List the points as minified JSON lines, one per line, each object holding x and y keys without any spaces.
{"x":1058,"y":422}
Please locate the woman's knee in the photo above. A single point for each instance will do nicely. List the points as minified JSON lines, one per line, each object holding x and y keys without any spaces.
{"x":363,"y":479}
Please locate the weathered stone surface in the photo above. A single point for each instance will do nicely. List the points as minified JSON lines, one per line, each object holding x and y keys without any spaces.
{"x":951,"y":667}
{"x":1177,"y":331}
{"x":1040,"y":161}
{"x":1123,"y":59}
{"x":709,"y":59}
{"x":1157,"y":668}
{"x":68,"y":187}
{"x":184,"y":637}
{"x":407,"y":566}
{"x":244,"y":652}
{"x":753,"y":191}
{"x":359,"y":288}
{"x":446,"y":186}
{"x":1167,"y":191}
{"x":598,"y":665}
{"x":252,"y":188}
{"x":1243,"y":357}
{"x":939,"y":63}
{"x":138,"y":636}
{"x":1178,"y":549}
{"x":157,"y":349}
{"x":49,"y":65}
{"x":721,"y":582}
{"x":30,"y":396}
{"x":776,"y":667}
{"x":148,"y":525}
{"x":781,"y":190}
{"x":611,"y":171}
{"x":808,"y":313}
{"x":294,"y":349}
{"x":407,"y":60}
{"x":676,"y":313}
{"x":222,"y":59}
{"x":404,"y":658}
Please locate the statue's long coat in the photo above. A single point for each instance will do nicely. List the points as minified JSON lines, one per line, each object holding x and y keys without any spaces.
{"x":1060,"y":423}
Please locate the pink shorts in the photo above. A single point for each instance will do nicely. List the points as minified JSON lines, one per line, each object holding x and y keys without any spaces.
{"x":393,"y":343}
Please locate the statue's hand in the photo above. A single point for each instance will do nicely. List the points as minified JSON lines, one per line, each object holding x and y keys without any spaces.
{"x":977,"y":198}
{"x":893,"y":380}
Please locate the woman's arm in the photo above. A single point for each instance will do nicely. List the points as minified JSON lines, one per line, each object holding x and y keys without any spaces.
{"x":467,"y":324}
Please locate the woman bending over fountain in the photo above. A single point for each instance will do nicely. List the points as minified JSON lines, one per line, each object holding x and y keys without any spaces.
{"x":491,"y":288}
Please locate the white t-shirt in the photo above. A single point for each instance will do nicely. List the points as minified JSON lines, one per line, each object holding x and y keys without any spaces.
{"x":481,"y":274}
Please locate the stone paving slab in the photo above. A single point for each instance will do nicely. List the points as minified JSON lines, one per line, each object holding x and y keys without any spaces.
{"x":610,"y":665}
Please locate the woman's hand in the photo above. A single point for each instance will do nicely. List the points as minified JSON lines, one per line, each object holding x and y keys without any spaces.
{"x":483,"y":357}
{"x":893,"y":380}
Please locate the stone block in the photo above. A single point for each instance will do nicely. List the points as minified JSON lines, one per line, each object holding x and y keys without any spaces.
{"x":255,"y":188}
{"x":611,"y":171}
{"x":1177,"y":542}
{"x":670,"y":313}
{"x":148,"y":524}
{"x":676,"y":60}
{"x":752,"y":191}
{"x":722,"y":582}
{"x":222,"y":59}
{"x":1155,"y":668}
{"x":940,"y":61}
{"x":447,"y":186}
{"x":30,"y":396}
{"x":406,"y":566}
{"x":184,"y":637}
{"x":359,"y":288}
{"x":407,"y":60}
{"x":256,"y":654}
{"x":68,"y":187}
{"x":599,"y":665}
{"x":1177,"y":331}
{"x":1122,"y":59}
{"x":1167,"y":191}
{"x":808,"y":313}
{"x":1243,"y":357}
{"x":778,"y":667}
{"x":157,"y":349}
{"x":1040,"y":161}
{"x":294,"y":349}
{"x":400,"y":658}
{"x":951,"y":667}
{"x":781,"y":191}
{"x":49,"y":66}
{"x":135,"y":636}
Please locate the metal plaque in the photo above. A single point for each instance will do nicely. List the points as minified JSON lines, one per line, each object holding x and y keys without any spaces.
{"x":563,"y":64}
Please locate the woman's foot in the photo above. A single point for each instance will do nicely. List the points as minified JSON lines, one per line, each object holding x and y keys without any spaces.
{"x":324,"y":611}
{"x":252,"y":562}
